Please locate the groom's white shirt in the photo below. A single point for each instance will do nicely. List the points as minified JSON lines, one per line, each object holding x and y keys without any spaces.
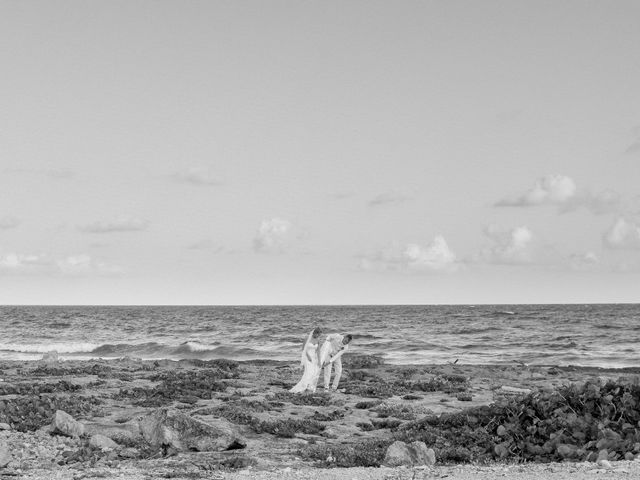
{"x":332,"y":346}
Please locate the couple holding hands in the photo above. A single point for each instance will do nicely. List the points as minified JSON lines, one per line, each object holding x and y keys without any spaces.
{"x":313,"y":361}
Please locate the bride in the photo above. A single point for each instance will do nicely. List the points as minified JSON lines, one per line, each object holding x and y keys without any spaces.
{"x":309,"y":360}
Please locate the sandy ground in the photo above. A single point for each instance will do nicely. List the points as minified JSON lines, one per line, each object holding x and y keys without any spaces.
{"x":119,"y":393}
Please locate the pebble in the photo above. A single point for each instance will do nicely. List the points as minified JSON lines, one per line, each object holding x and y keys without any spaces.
{"x":604,"y":463}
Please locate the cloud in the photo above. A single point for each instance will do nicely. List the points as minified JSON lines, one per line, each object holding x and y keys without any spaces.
{"x":508,"y":247}
{"x":388,"y":199}
{"x":622,"y":235}
{"x":8,"y":222}
{"x":633,"y":148}
{"x":548,"y":190}
{"x":81,"y":265}
{"x":206,"y":244}
{"x":584,"y":261}
{"x":56,"y":173}
{"x":197,"y":176}
{"x":562,"y":192}
{"x":600,"y":203}
{"x":341,"y":195}
{"x":274,"y":235}
{"x":120,"y":224}
{"x":42,"y":264}
{"x":20,"y":263}
{"x":433,"y":257}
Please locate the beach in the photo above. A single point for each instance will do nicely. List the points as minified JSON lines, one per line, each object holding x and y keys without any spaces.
{"x":261,"y":430}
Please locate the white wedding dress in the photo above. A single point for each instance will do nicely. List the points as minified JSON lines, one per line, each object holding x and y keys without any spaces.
{"x":309,"y":379}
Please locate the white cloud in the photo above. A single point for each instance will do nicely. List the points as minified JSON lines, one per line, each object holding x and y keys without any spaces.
{"x":120,"y":224}
{"x":434,"y":257}
{"x":562,"y":192}
{"x":623,"y":235}
{"x":8,"y":222}
{"x":20,"y":263}
{"x":388,"y":199}
{"x":512,"y":246}
{"x":56,"y":173}
{"x":548,"y":190}
{"x":206,"y":244}
{"x":633,"y":148}
{"x":601,"y":203}
{"x":584,"y":261}
{"x":41,"y":264}
{"x":80,"y":265}
{"x":274,"y":235}
{"x":197,"y":176}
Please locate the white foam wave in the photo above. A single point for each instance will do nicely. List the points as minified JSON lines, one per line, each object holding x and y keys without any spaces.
{"x":199,"y":347}
{"x":71,"y":347}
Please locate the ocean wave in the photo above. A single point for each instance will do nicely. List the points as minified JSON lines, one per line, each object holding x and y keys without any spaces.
{"x":71,"y":347}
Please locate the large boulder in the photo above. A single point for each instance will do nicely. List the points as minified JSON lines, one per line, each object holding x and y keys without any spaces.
{"x":413,"y":454}
{"x":65,"y":424}
{"x":170,"y":428}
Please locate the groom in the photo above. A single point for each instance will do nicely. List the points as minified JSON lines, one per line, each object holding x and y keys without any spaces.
{"x":334,"y":346}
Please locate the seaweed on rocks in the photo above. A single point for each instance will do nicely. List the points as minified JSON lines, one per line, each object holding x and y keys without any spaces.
{"x":327,"y":417}
{"x":575,"y":422}
{"x":364,"y":405}
{"x":239,"y":414}
{"x":367,"y":453}
{"x":186,"y":387}
{"x":378,"y":388}
{"x":374,"y":386}
{"x":29,"y":413}
{"x":441,"y":383}
{"x":317,"y":399}
{"x":356,"y":361}
{"x":54,"y":371}
{"x":218,"y":363}
{"x":400,"y":410}
{"x":288,"y":427}
{"x":389,"y":423}
{"x":30,"y":388}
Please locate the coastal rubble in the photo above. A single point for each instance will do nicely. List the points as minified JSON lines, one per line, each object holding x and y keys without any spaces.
{"x":189,"y":419}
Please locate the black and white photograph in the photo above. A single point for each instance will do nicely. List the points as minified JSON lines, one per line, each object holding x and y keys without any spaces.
{"x":304,"y":239}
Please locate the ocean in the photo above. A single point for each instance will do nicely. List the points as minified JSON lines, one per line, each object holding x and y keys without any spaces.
{"x":586,"y":335}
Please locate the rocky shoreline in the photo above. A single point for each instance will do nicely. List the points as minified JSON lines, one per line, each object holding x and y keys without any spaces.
{"x":130,"y":418}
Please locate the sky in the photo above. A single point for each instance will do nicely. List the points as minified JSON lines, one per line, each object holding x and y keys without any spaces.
{"x":301,"y":152}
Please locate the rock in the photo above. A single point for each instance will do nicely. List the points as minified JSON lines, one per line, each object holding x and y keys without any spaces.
{"x":464,"y":397}
{"x":501,"y":431}
{"x":505,"y":390}
{"x":567,"y":451}
{"x":414,"y":454}
{"x":130,"y":452}
{"x":605,"y":464}
{"x":5,"y":455}
{"x":5,"y":426}
{"x":126,"y":434}
{"x":629,"y":456}
{"x":102,"y":442}
{"x":174,"y":429}
{"x":65,"y":424}
{"x":603,"y":455}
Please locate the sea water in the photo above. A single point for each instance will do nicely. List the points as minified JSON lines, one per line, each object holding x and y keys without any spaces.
{"x":588,"y":335}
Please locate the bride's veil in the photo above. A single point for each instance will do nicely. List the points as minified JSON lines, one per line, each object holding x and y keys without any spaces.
{"x":304,"y":347}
